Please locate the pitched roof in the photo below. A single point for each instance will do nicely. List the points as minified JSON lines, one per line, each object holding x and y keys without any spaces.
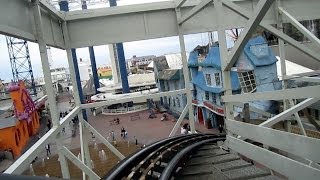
{"x":212,"y":59}
{"x":89,"y":89}
{"x":193,"y":59}
{"x":258,"y":52}
{"x":161,"y":63}
{"x":169,"y":74}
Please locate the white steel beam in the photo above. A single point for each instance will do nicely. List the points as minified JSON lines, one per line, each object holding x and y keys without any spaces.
{"x":103,"y":140}
{"x":253,"y":22}
{"x":186,"y":74}
{"x":273,"y":30}
{"x":299,"y":145}
{"x":313,"y":73}
{"x":296,"y":115}
{"x":285,"y":166}
{"x":128,"y":99}
{"x":84,"y":146}
{"x":21,"y":164}
{"x":63,"y":162}
{"x":178,"y":123}
{"x":300,"y":27}
{"x":193,"y":11}
{"x":295,"y":93}
{"x":307,"y":79}
{"x":180,"y":3}
{"x":74,"y":159}
{"x":289,"y":112}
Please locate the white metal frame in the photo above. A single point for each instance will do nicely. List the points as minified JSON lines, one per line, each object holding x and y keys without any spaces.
{"x":151,"y":11}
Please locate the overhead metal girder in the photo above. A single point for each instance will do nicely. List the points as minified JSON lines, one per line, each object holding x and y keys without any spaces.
{"x":299,"y":145}
{"x":295,"y":93}
{"x":193,"y":11}
{"x":180,"y":3}
{"x":281,"y":164}
{"x":253,"y":22}
{"x":156,"y":20}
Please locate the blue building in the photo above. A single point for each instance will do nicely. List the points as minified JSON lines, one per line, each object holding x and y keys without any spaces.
{"x":254,"y":71}
{"x":168,"y":79}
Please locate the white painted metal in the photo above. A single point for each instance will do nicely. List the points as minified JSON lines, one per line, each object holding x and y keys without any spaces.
{"x":193,"y":11}
{"x":128,"y":99}
{"x":308,"y":79}
{"x":74,"y":159}
{"x":180,"y":3}
{"x":299,"y":145}
{"x":285,"y":166}
{"x":118,"y":19}
{"x":273,"y":30}
{"x":186,"y":74}
{"x":64,"y":169}
{"x":296,"y":115}
{"x":228,"y":111}
{"x":313,"y":73}
{"x":253,"y":22}
{"x":84,"y":146}
{"x":289,"y":112}
{"x":180,"y":119}
{"x":103,"y":140}
{"x":52,"y":10}
{"x":295,"y":93}
{"x":300,"y":27}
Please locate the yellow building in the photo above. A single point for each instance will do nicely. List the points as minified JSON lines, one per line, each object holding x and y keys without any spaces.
{"x":104,"y":72}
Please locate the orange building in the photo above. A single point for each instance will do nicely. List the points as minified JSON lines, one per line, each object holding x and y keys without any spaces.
{"x":16,"y":130}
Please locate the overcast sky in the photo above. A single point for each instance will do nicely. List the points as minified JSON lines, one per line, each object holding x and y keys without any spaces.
{"x":156,"y":47}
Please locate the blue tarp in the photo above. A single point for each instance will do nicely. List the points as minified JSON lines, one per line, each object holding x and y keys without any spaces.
{"x":200,"y":82}
{"x":193,"y":59}
{"x":212,"y":59}
{"x":258,"y":52}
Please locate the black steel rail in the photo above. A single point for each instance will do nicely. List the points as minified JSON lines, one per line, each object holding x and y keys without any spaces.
{"x":182,"y":157}
{"x":150,"y":162}
{"x":125,"y":166}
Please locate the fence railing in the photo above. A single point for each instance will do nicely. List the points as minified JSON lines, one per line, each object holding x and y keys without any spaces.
{"x":124,"y":110}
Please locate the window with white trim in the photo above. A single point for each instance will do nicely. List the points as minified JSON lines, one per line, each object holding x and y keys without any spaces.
{"x":214,"y":100}
{"x":247,"y":81}
{"x":208,"y":79}
{"x":217,"y":79}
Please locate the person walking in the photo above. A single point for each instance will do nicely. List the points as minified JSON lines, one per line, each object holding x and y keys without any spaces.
{"x":220,"y":128}
{"x":48,"y":150}
{"x":112,"y":135}
{"x":123,"y":131}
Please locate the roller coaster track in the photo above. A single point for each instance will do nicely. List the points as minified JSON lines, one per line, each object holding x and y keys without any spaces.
{"x":194,"y":156}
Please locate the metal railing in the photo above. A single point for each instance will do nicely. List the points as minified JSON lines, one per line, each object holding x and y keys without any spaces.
{"x":125,"y":110}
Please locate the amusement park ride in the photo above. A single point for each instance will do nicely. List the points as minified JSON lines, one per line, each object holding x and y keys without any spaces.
{"x":26,"y":121}
{"x":40,"y":22}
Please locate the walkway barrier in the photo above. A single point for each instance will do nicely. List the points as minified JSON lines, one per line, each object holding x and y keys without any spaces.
{"x":133,"y":109}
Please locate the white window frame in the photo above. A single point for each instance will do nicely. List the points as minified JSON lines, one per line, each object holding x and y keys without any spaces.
{"x":247,"y":81}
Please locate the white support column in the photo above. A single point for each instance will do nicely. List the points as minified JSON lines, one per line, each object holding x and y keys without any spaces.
{"x":74,"y":159}
{"x":226,"y":78}
{"x":296,"y":115}
{"x":289,"y":112}
{"x":186,"y":74}
{"x":84,"y":146}
{"x":103,"y":140}
{"x":300,"y":27}
{"x":193,"y":11}
{"x":114,"y":64}
{"x":253,"y":22}
{"x":178,"y":123}
{"x":45,"y":64}
{"x":64,"y":169}
{"x":283,"y":63}
{"x":47,"y":78}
